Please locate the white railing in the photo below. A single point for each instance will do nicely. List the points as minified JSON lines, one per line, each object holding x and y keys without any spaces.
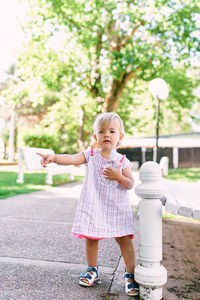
{"x":182,"y":198}
{"x":29,"y":160}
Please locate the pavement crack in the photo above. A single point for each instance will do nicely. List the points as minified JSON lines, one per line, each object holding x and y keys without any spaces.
{"x":113,"y":275}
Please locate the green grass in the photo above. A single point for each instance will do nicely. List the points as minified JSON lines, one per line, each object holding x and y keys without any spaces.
{"x":32,"y":182}
{"x":190,"y":174}
{"x":36,"y":181}
{"x":168,"y":216}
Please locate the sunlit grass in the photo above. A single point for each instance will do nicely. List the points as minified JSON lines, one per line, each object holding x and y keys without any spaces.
{"x":32,"y":182}
{"x":168,"y":216}
{"x":190,"y":174}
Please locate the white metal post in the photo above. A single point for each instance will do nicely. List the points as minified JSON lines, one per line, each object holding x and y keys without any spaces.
{"x":150,"y":274}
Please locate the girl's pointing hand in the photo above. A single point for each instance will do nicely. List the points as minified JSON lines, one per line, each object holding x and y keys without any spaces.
{"x":46,"y":159}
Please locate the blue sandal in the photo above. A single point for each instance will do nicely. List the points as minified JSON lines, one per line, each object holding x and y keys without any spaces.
{"x":131,"y":288}
{"x":91,"y":274}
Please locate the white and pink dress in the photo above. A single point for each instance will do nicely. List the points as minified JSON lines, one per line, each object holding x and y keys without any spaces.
{"x":104,"y":209}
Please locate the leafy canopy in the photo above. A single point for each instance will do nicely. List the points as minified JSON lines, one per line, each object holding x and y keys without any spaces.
{"x":83,"y":57}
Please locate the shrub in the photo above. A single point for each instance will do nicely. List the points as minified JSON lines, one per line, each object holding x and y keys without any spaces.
{"x":41,"y":140}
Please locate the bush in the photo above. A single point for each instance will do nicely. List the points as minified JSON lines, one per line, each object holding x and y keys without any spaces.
{"x":41,"y":140}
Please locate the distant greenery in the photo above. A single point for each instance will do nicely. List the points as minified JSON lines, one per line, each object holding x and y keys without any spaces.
{"x":41,"y":139}
{"x":84,"y":57}
{"x":32,"y":182}
{"x":190,"y":174}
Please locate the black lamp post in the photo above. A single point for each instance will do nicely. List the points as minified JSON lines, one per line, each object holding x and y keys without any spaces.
{"x":159,"y":90}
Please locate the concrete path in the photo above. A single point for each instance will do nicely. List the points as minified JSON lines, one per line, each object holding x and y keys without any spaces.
{"x":39,"y":260}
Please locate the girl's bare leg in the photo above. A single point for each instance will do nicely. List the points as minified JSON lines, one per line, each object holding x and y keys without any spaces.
{"x":128,"y":253}
{"x":91,"y":254}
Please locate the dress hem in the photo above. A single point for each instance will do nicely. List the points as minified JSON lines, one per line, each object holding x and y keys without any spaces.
{"x":82,"y":236}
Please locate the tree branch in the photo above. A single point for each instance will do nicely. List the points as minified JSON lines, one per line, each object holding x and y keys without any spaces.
{"x":122,"y":43}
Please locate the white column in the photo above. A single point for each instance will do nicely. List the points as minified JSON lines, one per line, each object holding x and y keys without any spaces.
{"x":175,"y":157}
{"x":154,"y":153}
{"x":143,"y":154}
{"x":20,"y":178}
{"x":150,"y":274}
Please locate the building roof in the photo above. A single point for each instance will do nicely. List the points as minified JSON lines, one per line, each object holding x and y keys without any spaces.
{"x":186,"y":140}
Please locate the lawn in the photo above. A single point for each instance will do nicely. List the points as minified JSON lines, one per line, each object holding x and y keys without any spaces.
{"x":32,"y":182}
{"x":190,"y":174}
{"x":36,"y":181}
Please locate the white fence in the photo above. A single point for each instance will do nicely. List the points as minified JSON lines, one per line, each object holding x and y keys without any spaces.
{"x":29,"y":160}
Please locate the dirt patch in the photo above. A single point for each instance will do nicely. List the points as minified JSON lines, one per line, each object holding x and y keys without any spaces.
{"x":181,"y":258}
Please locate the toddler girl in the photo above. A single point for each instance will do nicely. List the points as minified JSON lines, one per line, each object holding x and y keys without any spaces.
{"x":104,"y":209}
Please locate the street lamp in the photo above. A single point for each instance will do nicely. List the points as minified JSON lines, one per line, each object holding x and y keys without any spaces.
{"x":159,"y":90}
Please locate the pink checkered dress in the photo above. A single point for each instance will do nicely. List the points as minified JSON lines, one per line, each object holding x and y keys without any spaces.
{"x":104,"y":209}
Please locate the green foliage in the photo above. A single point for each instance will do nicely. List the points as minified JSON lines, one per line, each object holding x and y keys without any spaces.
{"x":41,"y":139}
{"x":140,"y":118}
{"x":80,"y":55}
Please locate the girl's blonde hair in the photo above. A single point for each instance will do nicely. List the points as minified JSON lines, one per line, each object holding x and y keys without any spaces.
{"x":103,"y":120}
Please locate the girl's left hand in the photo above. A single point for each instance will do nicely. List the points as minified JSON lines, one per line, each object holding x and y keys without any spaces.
{"x":112,"y":174}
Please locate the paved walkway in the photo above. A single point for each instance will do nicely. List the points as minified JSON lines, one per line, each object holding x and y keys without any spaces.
{"x":39,"y":260}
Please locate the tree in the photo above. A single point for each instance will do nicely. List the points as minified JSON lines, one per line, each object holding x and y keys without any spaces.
{"x":7,"y":112}
{"x":104,"y":49}
{"x":120,"y":40}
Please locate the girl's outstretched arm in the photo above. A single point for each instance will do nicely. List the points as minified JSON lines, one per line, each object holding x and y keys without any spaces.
{"x":62,"y":159}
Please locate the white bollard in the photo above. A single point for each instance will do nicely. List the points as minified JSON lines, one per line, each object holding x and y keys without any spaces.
{"x":150,"y":274}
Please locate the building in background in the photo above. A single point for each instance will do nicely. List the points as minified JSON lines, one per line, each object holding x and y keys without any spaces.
{"x":183,"y":150}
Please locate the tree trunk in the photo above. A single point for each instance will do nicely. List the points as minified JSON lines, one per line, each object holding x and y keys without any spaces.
{"x":84,"y":135}
{"x":116,"y":89}
{"x":113,"y":96}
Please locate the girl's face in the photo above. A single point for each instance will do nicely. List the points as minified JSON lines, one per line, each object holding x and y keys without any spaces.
{"x":108,"y":137}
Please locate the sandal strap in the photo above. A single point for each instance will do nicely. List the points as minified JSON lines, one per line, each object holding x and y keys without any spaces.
{"x":133,"y":285}
{"x":129,"y":275}
{"x":92,"y":269}
{"x":130,"y":285}
{"x":86,"y":273}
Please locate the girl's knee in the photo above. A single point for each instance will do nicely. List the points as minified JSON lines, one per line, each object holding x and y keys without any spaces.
{"x":123,"y":239}
{"x":91,"y":242}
